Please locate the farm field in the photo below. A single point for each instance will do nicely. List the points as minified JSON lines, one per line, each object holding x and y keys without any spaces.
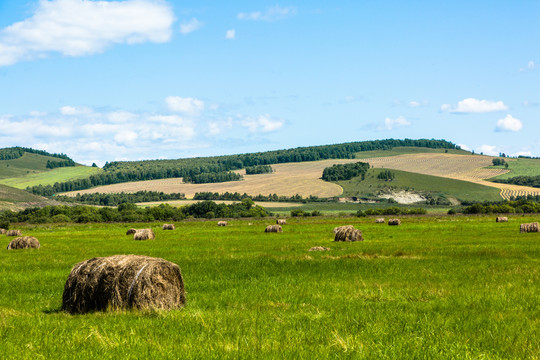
{"x":304,"y":178}
{"x":434,"y":287}
{"x":50,"y":177}
{"x":521,"y":167}
{"x":16,"y":199}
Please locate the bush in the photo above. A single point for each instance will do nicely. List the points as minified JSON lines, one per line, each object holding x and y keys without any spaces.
{"x":60,"y":218}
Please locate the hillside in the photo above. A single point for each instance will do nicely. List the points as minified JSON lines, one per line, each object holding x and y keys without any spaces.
{"x":15,"y":199}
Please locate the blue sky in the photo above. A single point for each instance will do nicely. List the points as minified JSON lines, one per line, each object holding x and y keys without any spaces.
{"x":145,"y":79}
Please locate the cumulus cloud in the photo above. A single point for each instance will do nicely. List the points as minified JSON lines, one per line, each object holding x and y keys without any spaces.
{"x":230,"y":34}
{"x":488,"y":150}
{"x":464,"y":147}
{"x":509,"y":123}
{"x":472,"y":105}
{"x":188,"y":106}
{"x":262,"y":123}
{"x":78,"y":28}
{"x":73,"y":110}
{"x":272,"y":13}
{"x":217,"y":127}
{"x":390,"y":124}
{"x":190,"y":26}
{"x":126,"y":137}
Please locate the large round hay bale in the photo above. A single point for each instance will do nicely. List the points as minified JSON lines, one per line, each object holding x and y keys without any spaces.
{"x":144,"y":234}
{"x":281,"y":221}
{"x":379,"y":221}
{"x":349,"y":234}
{"x":394,"y":222}
{"x":131,"y":231}
{"x":501,"y":219}
{"x":168,"y":227}
{"x":529,"y":227}
{"x":3,"y":231}
{"x":25,"y":242}
{"x":273,"y":228}
{"x":123,"y":282}
{"x":338,"y":228}
{"x":14,"y":233}
{"x":222,"y":223}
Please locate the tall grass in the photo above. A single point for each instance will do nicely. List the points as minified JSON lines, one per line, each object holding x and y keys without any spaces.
{"x":434,"y":287}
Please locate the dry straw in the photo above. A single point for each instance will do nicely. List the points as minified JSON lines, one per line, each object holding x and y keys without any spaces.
{"x":394,"y":222}
{"x":379,"y":221}
{"x":14,"y":233}
{"x":530,"y":227}
{"x":501,"y":219}
{"x":3,"y":231}
{"x":273,"y":228}
{"x":349,"y":234}
{"x":168,"y":227}
{"x":123,"y":282}
{"x":281,"y":221}
{"x":222,"y":223}
{"x":25,"y":242}
{"x":319,"y":248}
{"x":144,"y":234}
{"x":131,"y":231}
{"x":339,"y":228}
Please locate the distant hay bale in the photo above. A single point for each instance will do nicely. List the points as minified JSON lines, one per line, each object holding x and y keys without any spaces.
{"x":394,"y":222}
{"x":3,"y":231}
{"x":131,"y":231}
{"x":379,"y":221}
{"x":529,"y":227}
{"x":281,"y":221}
{"x":25,"y":242}
{"x":169,"y":227}
{"x":338,"y":228}
{"x":319,"y":248}
{"x":222,"y":223}
{"x":123,"y":282}
{"x":273,"y":228}
{"x":349,"y":234}
{"x":14,"y":233}
{"x":144,"y":234}
{"x":501,"y":219}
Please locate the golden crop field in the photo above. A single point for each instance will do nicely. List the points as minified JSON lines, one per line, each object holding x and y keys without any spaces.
{"x":304,"y":178}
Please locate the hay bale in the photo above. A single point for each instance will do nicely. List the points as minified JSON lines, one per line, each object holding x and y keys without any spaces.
{"x":169,"y":227}
{"x":281,"y":221}
{"x":501,"y":219}
{"x":319,"y":248}
{"x":14,"y":233}
{"x":144,"y":234}
{"x":273,"y":228}
{"x":529,"y":227}
{"x":394,"y":222}
{"x":123,"y":282}
{"x":349,"y":234}
{"x":339,"y":228}
{"x":222,"y":223}
{"x":3,"y":231}
{"x":25,"y":242}
{"x":131,"y":231}
{"x":379,"y":221}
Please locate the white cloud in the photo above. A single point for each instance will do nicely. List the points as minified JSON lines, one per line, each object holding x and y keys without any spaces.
{"x":472,"y":105}
{"x":263,"y":123}
{"x":488,"y":150}
{"x":190,"y":26}
{"x":531,"y":65}
{"x":509,"y":123}
{"x":272,"y":13}
{"x":217,"y":127}
{"x":73,"y":110}
{"x":79,"y":28}
{"x":413,"y":104}
{"x":188,"y":106}
{"x":523,"y":153}
{"x":464,"y":147}
{"x":126,"y":137}
{"x":389,"y":124}
{"x":230,"y":34}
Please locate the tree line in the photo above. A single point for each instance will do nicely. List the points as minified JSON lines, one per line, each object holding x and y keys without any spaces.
{"x":270,"y":197}
{"x":120,"y":198}
{"x":128,"y":212}
{"x":52,"y":164}
{"x":533,"y":181}
{"x":16,"y":152}
{"x":525,"y":205}
{"x":258,"y":169}
{"x":345,"y":171}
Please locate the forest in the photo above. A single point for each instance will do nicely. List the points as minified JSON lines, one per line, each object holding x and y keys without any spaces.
{"x":533,"y":181}
{"x":13,"y":153}
{"x":117,"y":199}
{"x":345,"y":171}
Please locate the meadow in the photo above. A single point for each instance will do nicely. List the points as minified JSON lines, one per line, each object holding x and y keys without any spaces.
{"x":435,"y":287}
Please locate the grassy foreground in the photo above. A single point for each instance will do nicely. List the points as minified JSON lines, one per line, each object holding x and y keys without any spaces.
{"x":434,"y":287}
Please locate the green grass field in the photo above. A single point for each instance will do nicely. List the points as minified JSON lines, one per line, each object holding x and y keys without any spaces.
{"x":520,"y":167}
{"x":16,"y":199}
{"x":25,"y":165}
{"x":434,"y":287}
{"x":402,"y":150}
{"x":419,"y":183}
{"x":50,"y":177}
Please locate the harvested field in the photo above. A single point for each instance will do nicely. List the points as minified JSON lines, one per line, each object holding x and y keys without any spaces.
{"x":304,"y":178}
